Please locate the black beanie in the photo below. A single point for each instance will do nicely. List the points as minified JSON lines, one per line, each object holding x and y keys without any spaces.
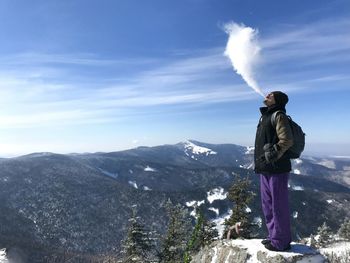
{"x":280,"y":98}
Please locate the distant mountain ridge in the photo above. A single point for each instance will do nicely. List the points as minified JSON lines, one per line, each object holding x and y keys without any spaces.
{"x":81,"y":202}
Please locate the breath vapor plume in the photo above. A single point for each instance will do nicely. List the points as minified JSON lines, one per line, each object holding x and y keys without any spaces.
{"x":243,"y":50}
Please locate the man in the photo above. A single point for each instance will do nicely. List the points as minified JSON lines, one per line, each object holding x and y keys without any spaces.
{"x":273,"y":165}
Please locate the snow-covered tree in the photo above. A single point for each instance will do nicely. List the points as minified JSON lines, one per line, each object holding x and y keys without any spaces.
{"x":241,"y":196}
{"x":138,"y":244}
{"x":177,"y":235}
{"x":313,"y":242}
{"x":325,"y":235}
{"x":344,"y":230}
{"x":203,"y":234}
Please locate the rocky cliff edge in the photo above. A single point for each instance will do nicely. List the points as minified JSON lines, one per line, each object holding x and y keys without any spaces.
{"x":252,"y":251}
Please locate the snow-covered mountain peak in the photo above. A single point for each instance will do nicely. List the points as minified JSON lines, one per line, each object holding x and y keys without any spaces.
{"x":191,"y":148}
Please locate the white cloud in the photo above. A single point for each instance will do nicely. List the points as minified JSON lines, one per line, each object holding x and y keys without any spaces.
{"x":323,"y":40}
{"x":36,"y":89}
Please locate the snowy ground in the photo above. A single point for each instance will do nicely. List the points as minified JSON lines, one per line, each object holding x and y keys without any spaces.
{"x":254,"y":245}
{"x":338,"y":248}
{"x":3,"y":256}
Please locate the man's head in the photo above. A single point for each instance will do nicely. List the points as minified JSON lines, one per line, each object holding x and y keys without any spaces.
{"x":276,"y":97}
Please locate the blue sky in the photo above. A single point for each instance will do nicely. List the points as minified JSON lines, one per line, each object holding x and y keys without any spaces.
{"x":87,"y":76}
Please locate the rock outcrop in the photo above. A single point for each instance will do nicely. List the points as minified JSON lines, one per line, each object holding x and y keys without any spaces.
{"x":252,"y":251}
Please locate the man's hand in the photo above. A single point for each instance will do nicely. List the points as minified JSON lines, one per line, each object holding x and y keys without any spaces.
{"x":271,"y":152}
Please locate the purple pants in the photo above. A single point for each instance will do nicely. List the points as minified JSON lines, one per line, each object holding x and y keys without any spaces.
{"x":274,"y":200}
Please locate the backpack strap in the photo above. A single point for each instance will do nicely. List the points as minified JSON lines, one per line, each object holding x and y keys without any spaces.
{"x":273,"y":117}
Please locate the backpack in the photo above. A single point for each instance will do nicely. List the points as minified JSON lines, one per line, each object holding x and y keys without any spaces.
{"x":295,"y":151}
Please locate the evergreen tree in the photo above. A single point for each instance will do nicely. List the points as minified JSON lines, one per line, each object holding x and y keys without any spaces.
{"x":344,"y":230}
{"x":138,"y":245}
{"x":178,"y":232}
{"x":241,"y":196}
{"x":325,"y":235}
{"x":313,"y":242}
{"x":204,"y":233}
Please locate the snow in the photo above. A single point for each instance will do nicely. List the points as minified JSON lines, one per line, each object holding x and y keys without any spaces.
{"x":257,"y":220}
{"x":303,"y":203}
{"x":149,"y":169}
{"x":295,"y":214}
{"x":329,"y":201}
{"x":113,"y":175}
{"x":297,"y":188}
{"x":193,"y":213}
{"x":216,"y":194}
{"x":146,"y":188}
{"x":337,"y":248}
{"x":298,"y":161}
{"x":213,"y":260}
{"x":5,"y":179}
{"x":296,"y":171}
{"x":341,"y":157}
{"x":131,"y":171}
{"x":219,"y":222}
{"x":328,"y":163}
{"x":248,"y":210}
{"x":250,"y":166}
{"x":195,"y":149}
{"x":195,"y":203}
{"x":3,"y":256}
{"x":254,"y":245}
{"x":215,"y":210}
{"x":250,"y":150}
{"x":133,"y":183}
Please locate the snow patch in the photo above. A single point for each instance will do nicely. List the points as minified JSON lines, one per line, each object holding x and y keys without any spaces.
{"x":149,"y":169}
{"x":254,"y":245}
{"x":329,"y":201}
{"x":193,"y":213}
{"x":215,"y":210}
{"x":248,"y":210}
{"x":195,"y":149}
{"x":296,"y":171}
{"x":216,"y":194}
{"x":297,"y":188}
{"x":295,"y":214}
{"x":134,"y":184}
{"x":113,"y":175}
{"x":214,"y":258}
{"x":303,"y":203}
{"x":338,"y":248}
{"x":249,"y":150}
{"x":328,"y":163}
{"x":195,"y":203}
{"x":146,"y":188}
{"x":3,"y":258}
{"x":298,"y":161}
{"x":258,"y":221}
{"x":219,"y":222}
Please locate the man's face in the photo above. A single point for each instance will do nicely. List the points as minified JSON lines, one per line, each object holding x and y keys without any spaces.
{"x":269,"y":100}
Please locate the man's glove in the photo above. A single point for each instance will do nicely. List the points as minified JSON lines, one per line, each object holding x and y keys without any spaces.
{"x":271,"y":152}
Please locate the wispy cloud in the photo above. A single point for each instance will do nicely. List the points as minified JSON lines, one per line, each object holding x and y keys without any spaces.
{"x":43,"y":89}
{"x":327,"y":38}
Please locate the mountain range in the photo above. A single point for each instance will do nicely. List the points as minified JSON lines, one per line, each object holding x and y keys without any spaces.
{"x":82,"y":202}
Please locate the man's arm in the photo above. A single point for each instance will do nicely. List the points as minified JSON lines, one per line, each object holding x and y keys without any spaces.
{"x":284,"y":134}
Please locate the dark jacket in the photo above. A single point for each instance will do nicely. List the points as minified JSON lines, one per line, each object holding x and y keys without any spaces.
{"x":281,"y":136}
